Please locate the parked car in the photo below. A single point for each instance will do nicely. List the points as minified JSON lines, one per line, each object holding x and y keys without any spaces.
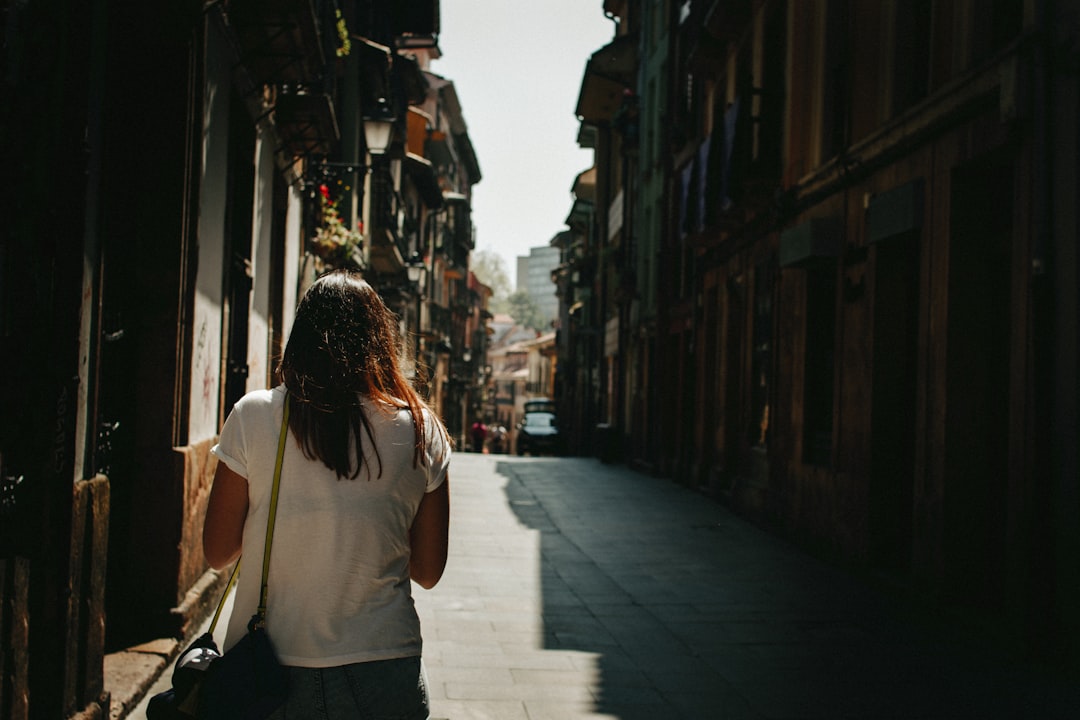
{"x":539,"y":405}
{"x":537,"y":433}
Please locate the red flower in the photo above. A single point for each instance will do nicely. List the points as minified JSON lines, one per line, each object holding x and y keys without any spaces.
{"x":325,"y":191}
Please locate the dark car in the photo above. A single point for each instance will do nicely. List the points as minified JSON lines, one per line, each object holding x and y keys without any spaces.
{"x":538,"y":432}
{"x":539,"y":405}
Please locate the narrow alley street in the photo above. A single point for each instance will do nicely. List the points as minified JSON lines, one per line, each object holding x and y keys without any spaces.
{"x":582,"y":590}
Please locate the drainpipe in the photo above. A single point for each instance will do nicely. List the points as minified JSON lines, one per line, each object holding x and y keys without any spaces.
{"x":1043,"y":176}
{"x":1053,"y":623}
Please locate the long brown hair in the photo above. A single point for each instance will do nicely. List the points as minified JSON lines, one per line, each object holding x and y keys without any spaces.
{"x":344,"y":347}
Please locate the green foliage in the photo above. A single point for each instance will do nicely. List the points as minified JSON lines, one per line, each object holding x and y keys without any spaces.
{"x":524,"y":311}
{"x":490,"y":269}
{"x":344,"y":41}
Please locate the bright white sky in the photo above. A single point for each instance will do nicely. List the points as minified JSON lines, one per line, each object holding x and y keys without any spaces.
{"x":517,"y":68}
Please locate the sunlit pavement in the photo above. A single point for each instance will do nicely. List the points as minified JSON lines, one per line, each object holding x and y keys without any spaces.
{"x":582,"y":590}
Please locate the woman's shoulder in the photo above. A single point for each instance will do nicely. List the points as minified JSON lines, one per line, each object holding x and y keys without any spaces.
{"x":403,"y":414}
{"x":257,"y":401}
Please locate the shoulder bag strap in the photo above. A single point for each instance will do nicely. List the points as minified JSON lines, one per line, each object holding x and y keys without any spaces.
{"x":260,"y":614}
{"x":224,"y":594}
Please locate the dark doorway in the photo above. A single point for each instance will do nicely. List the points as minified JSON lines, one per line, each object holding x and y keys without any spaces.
{"x":114,"y":453}
{"x":977,"y":376}
{"x":710,"y":369}
{"x":819,"y":381}
{"x":734,"y":432}
{"x":687,"y":406}
{"x":892,"y":417}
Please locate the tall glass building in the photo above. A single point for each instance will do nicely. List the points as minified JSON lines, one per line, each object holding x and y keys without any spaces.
{"x":534,"y":276}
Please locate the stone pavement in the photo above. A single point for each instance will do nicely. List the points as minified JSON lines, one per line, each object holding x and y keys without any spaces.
{"x":582,"y":590}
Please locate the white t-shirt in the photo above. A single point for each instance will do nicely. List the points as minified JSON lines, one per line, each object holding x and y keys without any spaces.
{"x":339,"y":588}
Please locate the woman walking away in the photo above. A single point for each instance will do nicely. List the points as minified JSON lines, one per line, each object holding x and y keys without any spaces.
{"x":363,"y":507}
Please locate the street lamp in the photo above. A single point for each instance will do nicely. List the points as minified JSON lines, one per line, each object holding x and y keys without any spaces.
{"x":415,"y":269}
{"x":379,"y":127}
{"x":378,"y":134}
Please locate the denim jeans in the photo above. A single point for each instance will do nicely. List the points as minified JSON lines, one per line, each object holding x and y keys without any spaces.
{"x":381,"y":690}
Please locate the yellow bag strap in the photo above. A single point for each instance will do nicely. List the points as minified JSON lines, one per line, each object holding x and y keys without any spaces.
{"x":225,"y":594}
{"x":261,"y":613}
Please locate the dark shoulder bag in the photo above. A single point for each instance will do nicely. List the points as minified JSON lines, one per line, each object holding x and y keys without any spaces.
{"x":248,"y":682}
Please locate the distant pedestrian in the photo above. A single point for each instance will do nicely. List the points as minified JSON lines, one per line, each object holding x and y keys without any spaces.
{"x":478,"y":433}
{"x":497,"y":441}
{"x":363,"y":508}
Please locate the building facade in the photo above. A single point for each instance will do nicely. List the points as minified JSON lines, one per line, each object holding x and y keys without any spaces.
{"x":825,"y":268}
{"x":184,"y":174}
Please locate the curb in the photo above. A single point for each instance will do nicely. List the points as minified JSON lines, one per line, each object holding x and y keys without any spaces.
{"x":130,"y":673}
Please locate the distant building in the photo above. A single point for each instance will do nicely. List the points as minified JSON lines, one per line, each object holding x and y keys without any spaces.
{"x":534,"y":277}
{"x":508,"y":356}
{"x":826,"y":272}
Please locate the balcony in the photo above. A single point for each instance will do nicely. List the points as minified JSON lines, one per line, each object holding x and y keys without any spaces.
{"x":422,"y":173}
{"x":282,"y":42}
{"x":442,"y":320}
{"x":306,"y":123}
{"x":609,"y":74}
{"x":388,"y":249}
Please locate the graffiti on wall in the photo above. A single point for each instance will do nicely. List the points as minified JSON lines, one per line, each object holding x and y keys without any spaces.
{"x":204,"y":376}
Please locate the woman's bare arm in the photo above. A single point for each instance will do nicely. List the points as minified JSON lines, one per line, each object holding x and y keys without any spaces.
{"x":223,"y":530}
{"x":429,"y":537}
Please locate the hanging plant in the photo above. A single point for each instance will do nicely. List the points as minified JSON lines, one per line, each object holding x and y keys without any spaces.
{"x":344,"y":42}
{"x":334,"y":241}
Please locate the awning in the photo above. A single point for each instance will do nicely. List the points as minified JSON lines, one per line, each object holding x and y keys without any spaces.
{"x":561,"y":239}
{"x":818,"y":238}
{"x":279,"y":42}
{"x":410,"y":77}
{"x":584,"y":187}
{"x":374,"y":78}
{"x":468,"y":157}
{"x":306,"y":123}
{"x":609,"y":74}
{"x":423,"y":176}
{"x":580,"y":214}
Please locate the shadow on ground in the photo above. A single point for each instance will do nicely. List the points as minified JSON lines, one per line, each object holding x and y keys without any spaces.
{"x":692,"y":612}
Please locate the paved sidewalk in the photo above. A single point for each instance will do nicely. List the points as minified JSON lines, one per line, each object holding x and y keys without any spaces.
{"x":582,"y":590}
